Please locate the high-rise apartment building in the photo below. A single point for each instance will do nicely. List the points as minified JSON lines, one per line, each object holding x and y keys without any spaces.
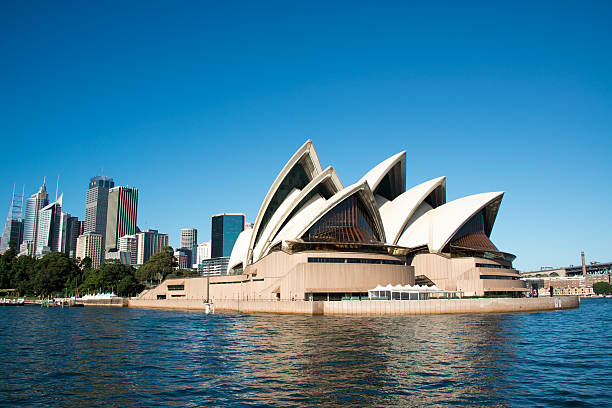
{"x":128,"y":244}
{"x":225,"y":230}
{"x":90,"y":245}
{"x":203,"y":252}
{"x":96,"y":204}
{"x":49,"y":228}
{"x":149,"y":243}
{"x":121,"y":216}
{"x":189,"y":241}
{"x":30,"y":222}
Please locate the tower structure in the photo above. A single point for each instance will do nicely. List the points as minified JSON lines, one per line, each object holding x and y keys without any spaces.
{"x":96,"y":205}
{"x":149,"y":243}
{"x":189,"y":241}
{"x":121,"y":216}
{"x":30,"y":223}
{"x":13,"y":227}
{"x":90,"y":245}
{"x":225,"y":230}
{"x":49,"y":228}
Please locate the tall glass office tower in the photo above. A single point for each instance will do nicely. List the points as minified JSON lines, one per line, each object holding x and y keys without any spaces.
{"x":96,"y":205}
{"x":225,"y":231}
{"x":30,"y":223}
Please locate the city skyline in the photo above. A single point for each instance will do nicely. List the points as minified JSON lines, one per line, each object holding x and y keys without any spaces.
{"x":520,"y":109}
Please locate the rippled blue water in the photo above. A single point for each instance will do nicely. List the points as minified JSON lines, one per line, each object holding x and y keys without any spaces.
{"x":134,"y":357}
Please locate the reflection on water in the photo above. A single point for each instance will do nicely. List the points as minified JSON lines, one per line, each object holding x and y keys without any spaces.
{"x":123,"y":357}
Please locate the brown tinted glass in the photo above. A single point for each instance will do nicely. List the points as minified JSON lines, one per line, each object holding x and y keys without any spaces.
{"x":349,"y":221}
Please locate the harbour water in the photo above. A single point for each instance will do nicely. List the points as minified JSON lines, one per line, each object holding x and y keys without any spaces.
{"x":137,"y":357}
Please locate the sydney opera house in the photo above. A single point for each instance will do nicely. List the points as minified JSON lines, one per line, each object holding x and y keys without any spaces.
{"x":315,"y":239}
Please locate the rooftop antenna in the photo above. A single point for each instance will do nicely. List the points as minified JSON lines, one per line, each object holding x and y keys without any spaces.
{"x":44,"y":180}
{"x":56,"y":187}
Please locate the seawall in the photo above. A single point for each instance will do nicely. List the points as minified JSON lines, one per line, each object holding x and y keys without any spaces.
{"x":372,"y":307}
{"x":115,"y":302}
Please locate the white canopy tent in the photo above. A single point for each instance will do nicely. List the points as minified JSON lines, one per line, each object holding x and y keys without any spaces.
{"x":407,"y":292}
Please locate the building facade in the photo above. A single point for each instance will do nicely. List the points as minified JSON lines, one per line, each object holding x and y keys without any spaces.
{"x":70,"y":229}
{"x":182,"y":256}
{"x":149,"y":243}
{"x":203,"y":252}
{"x":128,"y":244}
{"x":96,"y":205}
{"x":213,"y":266}
{"x":122,"y":215}
{"x":226,"y":228}
{"x":30,"y":222}
{"x":13,"y":227}
{"x":189,"y":241}
{"x":49,"y":228}
{"x":89,"y":244}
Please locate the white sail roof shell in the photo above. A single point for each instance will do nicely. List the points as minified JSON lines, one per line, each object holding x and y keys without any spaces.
{"x":327,"y":176}
{"x":396,"y":214}
{"x":436,"y":227}
{"x":276,"y":217}
{"x":378,"y":173}
{"x":308,"y":153}
{"x":240,"y":249}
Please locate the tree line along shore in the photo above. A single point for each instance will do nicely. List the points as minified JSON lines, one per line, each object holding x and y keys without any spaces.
{"x":55,"y":274}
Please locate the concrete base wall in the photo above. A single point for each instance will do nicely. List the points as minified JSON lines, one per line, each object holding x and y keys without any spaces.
{"x":117,"y":302}
{"x":372,"y":307}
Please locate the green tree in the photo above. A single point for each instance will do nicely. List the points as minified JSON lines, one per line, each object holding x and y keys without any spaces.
{"x":23,"y":275}
{"x":91,"y":282}
{"x":86,"y":263}
{"x":7,"y":261}
{"x":158,"y":266}
{"x":52,"y":272}
{"x":182,"y":273}
{"x":129,"y":286}
{"x":602,"y":288}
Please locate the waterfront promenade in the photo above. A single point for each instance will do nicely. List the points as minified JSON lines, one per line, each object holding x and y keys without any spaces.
{"x":372,"y":307}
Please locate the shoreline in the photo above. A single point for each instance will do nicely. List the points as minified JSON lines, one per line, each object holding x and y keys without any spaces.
{"x":370,"y":307}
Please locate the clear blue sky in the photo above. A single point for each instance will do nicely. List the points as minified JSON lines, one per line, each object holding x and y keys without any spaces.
{"x":200,"y":105}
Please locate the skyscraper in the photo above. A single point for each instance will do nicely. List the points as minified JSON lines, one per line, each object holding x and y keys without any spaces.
{"x":90,"y":245}
{"x":70,"y":229}
{"x":121,"y":216}
{"x":30,"y":222}
{"x":225,"y":231}
{"x":96,"y":205}
{"x":13,"y":228}
{"x":150,"y":242}
{"x":49,"y":228}
{"x":189,"y":241}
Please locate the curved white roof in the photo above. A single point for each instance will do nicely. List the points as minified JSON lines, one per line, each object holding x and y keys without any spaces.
{"x":240,"y":250}
{"x":436,"y":227}
{"x":299,"y":221}
{"x":396,"y":214}
{"x":331,"y":181}
{"x":307,"y":156}
{"x":274,"y":220}
{"x":378,"y":173}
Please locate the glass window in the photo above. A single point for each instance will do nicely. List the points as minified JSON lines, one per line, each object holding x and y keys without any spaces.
{"x":349,"y":221}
